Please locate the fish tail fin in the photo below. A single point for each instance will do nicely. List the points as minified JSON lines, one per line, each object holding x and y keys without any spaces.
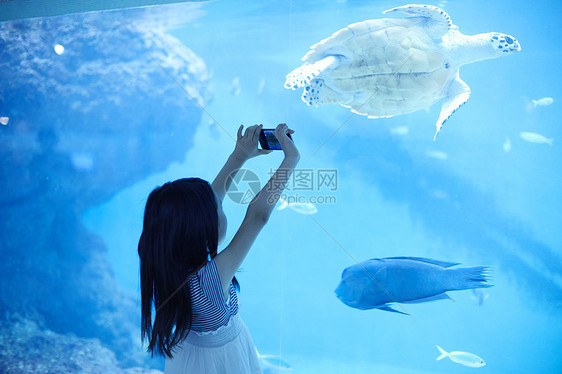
{"x":474,"y":277}
{"x":443,"y":353}
{"x":534,"y":103}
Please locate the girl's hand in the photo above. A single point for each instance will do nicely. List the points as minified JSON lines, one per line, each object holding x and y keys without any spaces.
{"x":286,"y":143}
{"x":247,"y":144}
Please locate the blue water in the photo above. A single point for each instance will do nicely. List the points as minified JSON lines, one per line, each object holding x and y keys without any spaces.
{"x":478,"y":203}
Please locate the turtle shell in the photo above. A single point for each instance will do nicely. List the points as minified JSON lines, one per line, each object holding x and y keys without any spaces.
{"x":388,"y":67}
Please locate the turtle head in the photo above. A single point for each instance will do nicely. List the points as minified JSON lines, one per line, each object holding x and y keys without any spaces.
{"x":503,"y":44}
{"x":465,"y":49}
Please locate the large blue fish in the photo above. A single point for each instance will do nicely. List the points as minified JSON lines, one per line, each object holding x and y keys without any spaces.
{"x":379,"y":282}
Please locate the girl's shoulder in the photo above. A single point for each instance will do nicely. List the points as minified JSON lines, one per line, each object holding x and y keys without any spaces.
{"x":203,"y":269}
{"x":206,"y":289}
{"x":207,"y":277}
{"x":209,"y":268}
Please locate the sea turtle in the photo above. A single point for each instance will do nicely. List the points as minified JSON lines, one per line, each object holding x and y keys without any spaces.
{"x":387,"y":67}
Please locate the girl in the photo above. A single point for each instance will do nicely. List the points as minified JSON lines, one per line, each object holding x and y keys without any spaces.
{"x":196,"y":324}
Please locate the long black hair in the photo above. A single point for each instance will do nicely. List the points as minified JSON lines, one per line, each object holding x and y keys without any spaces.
{"x":179,"y":235}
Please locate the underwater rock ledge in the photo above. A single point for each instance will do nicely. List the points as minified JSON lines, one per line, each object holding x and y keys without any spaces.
{"x":29,"y":349}
{"x":83,"y":125}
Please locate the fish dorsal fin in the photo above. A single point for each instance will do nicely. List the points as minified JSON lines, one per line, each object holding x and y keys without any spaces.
{"x":443,"y":264}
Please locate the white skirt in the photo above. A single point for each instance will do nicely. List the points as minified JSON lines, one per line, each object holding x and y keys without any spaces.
{"x":229,"y":349}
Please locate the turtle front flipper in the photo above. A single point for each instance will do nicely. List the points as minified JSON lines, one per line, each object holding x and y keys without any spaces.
{"x":303,"y":75}
{"x":458,"y":93}
{"x":438,"y":22}
{"x":310,"y":77}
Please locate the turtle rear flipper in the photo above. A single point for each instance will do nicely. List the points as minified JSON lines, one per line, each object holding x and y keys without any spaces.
{"x":438,"y":22}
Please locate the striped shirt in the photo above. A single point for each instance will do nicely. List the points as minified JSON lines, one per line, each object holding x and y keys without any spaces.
{"x":210,"y":309}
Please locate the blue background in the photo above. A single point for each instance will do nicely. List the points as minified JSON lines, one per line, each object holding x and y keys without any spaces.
{"x":482,"y":204}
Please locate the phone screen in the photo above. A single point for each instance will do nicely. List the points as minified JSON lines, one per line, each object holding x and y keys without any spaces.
{"x":268,"y":140}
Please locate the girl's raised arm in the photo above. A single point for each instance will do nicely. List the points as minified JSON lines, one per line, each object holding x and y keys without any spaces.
{"x":246,"y":148}
{"x":229,"y":260}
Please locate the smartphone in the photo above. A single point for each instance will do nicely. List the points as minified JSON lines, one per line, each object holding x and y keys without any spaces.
{"x":269,"y":141}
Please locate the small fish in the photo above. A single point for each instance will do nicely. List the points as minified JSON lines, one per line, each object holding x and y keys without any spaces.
{"x":400,"y":130}
{"x":235,"y":87}
{"x":533,"y":137}
{"x":507,"y":145}
{"x":545,"y":101}
{"x":59,"y":49}
{"x":261,"y":86}
{"x":82,"y":160}
{"x":463,"y":358}
{"x":479,"y":296}
{"x":439,"y":155}
{"x":440,"y":194}
{"x":4,"y":120}
{"x":302,"y":208}
{"x":272,"y":363}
